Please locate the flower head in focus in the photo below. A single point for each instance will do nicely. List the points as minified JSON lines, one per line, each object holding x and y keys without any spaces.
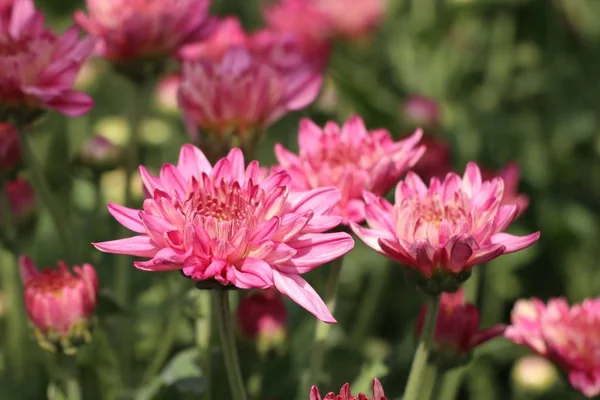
{"x":510,"y":174}
{"x":223,"y":224}
{"x":569,"y":336}
{"x":10,"y":148}
{"x":22,"y":204}
{"x":436,"y":161}
{"x":59,"y":303}
{"x":345,"y":393}
{"x":350,"y":158}
{"x":440,"y":232}
{"x":146,"y":31}
{"x":457,"y":330}
{"x":262,"y":315}
{"x":235,"y":85}
{"x":38,"y":68}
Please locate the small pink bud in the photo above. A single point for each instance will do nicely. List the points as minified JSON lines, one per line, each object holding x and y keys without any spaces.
{"x":262,"y":315}
{"x":165,"y":96}
{"x":457,"y":330}
{"x":10,"y":148}
{"x":421,"y":111}
{"x":22,"y":203}
{"x":100,"y":154}
{"x":59,"y":303}
{"x":437,"y":160}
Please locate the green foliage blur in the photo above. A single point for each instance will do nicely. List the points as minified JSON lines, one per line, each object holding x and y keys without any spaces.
{"x":517,"y":80}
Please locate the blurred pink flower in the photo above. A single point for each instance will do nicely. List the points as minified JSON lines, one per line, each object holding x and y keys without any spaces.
{"x":263,"y":315}
{"x":510,"y":174}
{"x":134,"y":30}
{"x":345,"y":393}
{"x":5,"y":9}
{"x":22,"y":202}
{"x":100,"y":154}
{"x":235,"y":84}
{"x":59,"y":303}
{"x":444,"y":229}
{"x":437,"y":160}
{"x":220,"y":223}
{"x":421,"y":110}
{"x":37,"y":67}
{"x":457,"y":329}
{"x":567,"y":335}
{"x":350,"y":158}
{"x":165,"y":96}
{"x":10,"y":148}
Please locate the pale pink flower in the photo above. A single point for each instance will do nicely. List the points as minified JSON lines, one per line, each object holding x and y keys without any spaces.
{"x":345,"y":393}
{"x":510,"y":174}
{"x":165,"y":96}
{"x":37,"y":67}
{"x":444,"y":229}
{"x":353,"y":19}
{"x":457,"y":330}
{"x":134,"y":30}
{"x":570,"y":336}
{"x":350,"y":158}
{"x":235,"y":85}
{"x":221,"y":223}
{"x":59,"y":303}
{"x":10,"y":148}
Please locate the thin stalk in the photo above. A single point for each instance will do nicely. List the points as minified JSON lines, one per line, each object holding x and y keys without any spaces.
{"x":419,"y":364}
{"x":369,"y":304}
{"x":322,"y":329}
{"x":43,"y":191}
{"x":203,"y":338}
{"x":15,"y":321}
{"x":72,"y":388}
{"x":226,"y":334}
{"x":70,"y":377}
{"x":161,"y":355}
{"x":437,"y":379}
{"x":451,"y":384}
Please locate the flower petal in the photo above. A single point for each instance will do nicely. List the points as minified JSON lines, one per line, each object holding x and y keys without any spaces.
{"x":139,"y":246}
{"x":315,"y":249}
{"x":128,"y":217}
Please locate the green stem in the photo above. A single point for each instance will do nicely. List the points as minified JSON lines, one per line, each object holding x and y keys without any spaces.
{"x":43,"y":191}
{"x":164,"y":347}
{"x":437,"y":380}
{"x":451,"y":384}
{"x":322,"y":329}
{"x":368,"y":307}
{"x":419,"y":364}
{"x":15,"y":326}
{"x":72,"y":388}
{"x":203,"y":338}
{"x":226,"y":334}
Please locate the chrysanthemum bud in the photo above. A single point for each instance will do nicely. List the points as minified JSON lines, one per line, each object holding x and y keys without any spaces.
{"x":60,"y":304}
{"x":421,"y":111}
{"x":99,"y":154}
{"x":262,"y":316}
{"x":165,"y":96}
{"x":22,"y":204}
{"x":437,"y":160}
{"x":345,"y":393}
{"x":10,"y":148}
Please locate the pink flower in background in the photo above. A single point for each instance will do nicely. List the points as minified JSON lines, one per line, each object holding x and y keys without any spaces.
{"x":457,"y":329}
{"x":345,"y":393}
{"x":353,"y":19}
{"x":58,"y":302}
{"x":133,"y":30}
{"x":421,"y":111}
{"x":22,"y":202}
{"x":262,"y":315}
{"x":510,"y":174}
{"x":350,"y":158}
{"x":5,"y":9}
{"x":221,"y":223}
{"x":567,"y":335}
{"x":100,"y":154}
{"x":10,"y":148}
{"x":437,"y":160}
{"x":37,"y":67}
{"x":236,"y":84}
{"x":165,"y":96}
{"x":445,"y":228}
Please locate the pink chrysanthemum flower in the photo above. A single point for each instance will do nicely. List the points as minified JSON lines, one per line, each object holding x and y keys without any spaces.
{"x":437,"y":160}
{"x":345,"y":393}
{"x":350,"y":158}
{"x":37,"y":67}
{"x":59,"y":303}
{"x":443,"y":230}
{"x":262,"y":316}
{"x":510,"y":174}
{"x":235,"y":85}
{"x":570,"y":336}
{"x":134,"y":30}
{"x":22,"y":203}
{"x":457,"y":330}
{"x":221,"y":223}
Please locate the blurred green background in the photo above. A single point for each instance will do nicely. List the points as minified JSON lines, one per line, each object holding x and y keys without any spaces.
{"x":516,"y":80}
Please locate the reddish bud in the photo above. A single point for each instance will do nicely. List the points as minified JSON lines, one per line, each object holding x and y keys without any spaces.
{"x":262,"y":315}
{"x":437,"y":160}
{"x":100,"y":154}
{"x":421,"y":111}
{"x":345,"y":393}
{"x":21,"y":201}
{"x":10,"y":148}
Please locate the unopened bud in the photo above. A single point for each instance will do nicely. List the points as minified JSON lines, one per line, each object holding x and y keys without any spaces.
{"x":10,"y":148}
{"x":99,"y":154}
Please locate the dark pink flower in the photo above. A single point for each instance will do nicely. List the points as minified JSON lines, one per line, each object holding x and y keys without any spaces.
{"x":437,"y":160}
{"x":510,"y":174}
{"x":37,"y":67}
{"x":222,"y":223}
{"x":22,"y":202}
{"x":345,"y":393}
{"x":457,"y":329}
{"x":10,"y":148}
{"x":134,"y":30}
{"x":567,"y":335}
{"x":262,"y":315}
{"x":59,"y":303}
{"x":350,"y":158}
{"x":444,"y":229}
